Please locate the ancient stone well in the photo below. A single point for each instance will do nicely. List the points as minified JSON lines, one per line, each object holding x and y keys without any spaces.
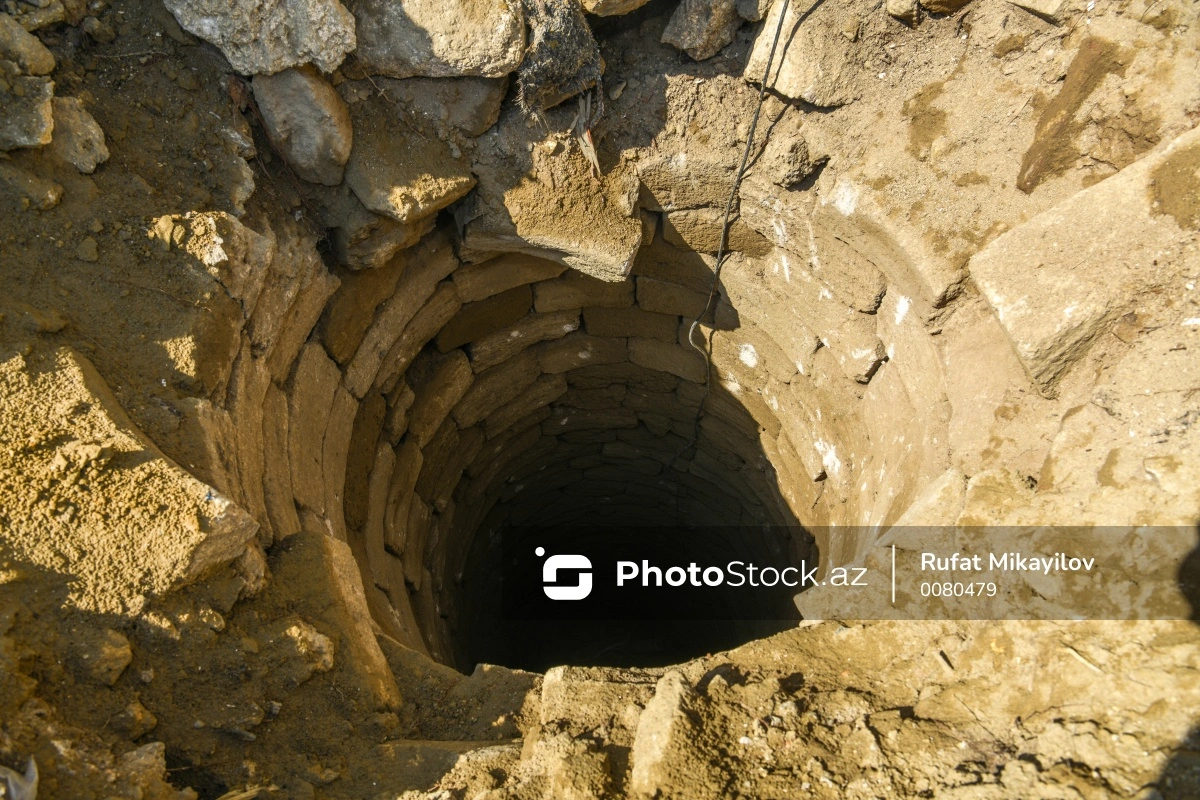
{"x":492,"y":331}
{"x":305,"y":306}
{"x":445,"y":395}
{"x":520,"y":392}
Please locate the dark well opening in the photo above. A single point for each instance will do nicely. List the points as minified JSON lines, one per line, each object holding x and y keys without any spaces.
{"x":532,"y":396}
{"x":632,"y":495}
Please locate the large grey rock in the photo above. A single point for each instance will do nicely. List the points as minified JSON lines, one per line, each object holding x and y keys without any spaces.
{"x":440,"y":38}
{"x":308,"y":121}
{"x":26,"y":116}
{"x":814,"y":61}
{"x":23,"y":48}
{"x":1057,"y":281}
{"x":78,"y":139}
{"x":399,"y":171}
{"x":268,"y":36}
{"x":702,"y":27}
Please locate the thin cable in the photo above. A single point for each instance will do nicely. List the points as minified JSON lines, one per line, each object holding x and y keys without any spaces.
{"x":724,"y":243}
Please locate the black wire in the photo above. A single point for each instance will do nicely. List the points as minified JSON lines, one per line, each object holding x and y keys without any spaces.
{"x":724,"y":243}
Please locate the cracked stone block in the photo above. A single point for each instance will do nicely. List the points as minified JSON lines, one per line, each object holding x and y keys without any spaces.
{"x":262,"y":38}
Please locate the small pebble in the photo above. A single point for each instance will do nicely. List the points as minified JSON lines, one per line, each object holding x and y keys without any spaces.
{"x":98,"y":30}
{"x":88,"y":250}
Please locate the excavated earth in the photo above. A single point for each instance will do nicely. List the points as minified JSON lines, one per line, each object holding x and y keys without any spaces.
{"x":301,"y":304}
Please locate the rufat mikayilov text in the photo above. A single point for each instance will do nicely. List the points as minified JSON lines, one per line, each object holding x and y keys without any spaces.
{"x":1006,"y":562}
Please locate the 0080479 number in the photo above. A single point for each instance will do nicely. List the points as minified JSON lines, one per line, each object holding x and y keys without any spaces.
{"x":951,"y":589}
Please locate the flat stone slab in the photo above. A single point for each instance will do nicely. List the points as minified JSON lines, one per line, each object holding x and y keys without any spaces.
{"x":1057,"y":281}
{"x":612,"y":8}
{"x":814,"y":62}
{"x":400,"y":171}
{"x":538,"y":195}
{"x":267,"y":37}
